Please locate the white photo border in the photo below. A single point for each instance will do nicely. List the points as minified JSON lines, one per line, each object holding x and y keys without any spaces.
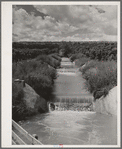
{"x":6,"y":70}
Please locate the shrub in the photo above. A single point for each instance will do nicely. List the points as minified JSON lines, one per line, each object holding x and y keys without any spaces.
{"x":37,"y":74}
{"x":49,"y":60}
{"x":56,"y":57}
{"x":81,"y":61}
{"x":42,"y":84}
{"x":18,"y":104}
{"x":18,"y":94}
{"x":54,"y":63}
{"x":104,"y":77}
{"x":89,"y":64}
{"x":76,"y":56}
{"x":21,"y":69}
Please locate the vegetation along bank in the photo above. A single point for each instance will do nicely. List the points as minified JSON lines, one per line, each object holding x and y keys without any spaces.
{"x":36,"y":63}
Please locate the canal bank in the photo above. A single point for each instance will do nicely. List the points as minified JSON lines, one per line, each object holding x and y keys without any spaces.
{"x":69,"y":126}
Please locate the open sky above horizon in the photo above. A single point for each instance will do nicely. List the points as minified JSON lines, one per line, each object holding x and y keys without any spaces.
{"x":64,"y":23}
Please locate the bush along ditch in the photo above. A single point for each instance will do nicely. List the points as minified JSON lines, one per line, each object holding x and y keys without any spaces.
{"x":39,"y":73}
{"x":98,"y":63}
{"x":19,"y":108}
{"x":36,"y":63}
{"x":100,"y":77}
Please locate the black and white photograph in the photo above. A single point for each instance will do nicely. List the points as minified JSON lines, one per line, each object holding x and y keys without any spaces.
{"x":63,"y":83}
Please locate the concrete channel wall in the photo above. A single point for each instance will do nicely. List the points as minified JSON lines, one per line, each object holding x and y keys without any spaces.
{"x":108,"y":104}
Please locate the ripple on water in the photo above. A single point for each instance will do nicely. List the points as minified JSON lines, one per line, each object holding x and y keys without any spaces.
{"x":73,"y":128}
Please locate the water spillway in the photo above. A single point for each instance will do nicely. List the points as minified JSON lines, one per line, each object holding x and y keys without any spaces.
{"x":73,"y":122}
{"x":70,"y":90}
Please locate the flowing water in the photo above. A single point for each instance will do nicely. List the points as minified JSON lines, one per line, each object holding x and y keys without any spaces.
{"x":73,"y":122}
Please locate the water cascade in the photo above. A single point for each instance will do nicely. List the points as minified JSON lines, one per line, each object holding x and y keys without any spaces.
{"x":70,"y":120}
{"x":65,"y":98}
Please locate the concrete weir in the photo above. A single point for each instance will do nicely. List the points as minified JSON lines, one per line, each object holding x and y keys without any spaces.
{"x":69,"y":92}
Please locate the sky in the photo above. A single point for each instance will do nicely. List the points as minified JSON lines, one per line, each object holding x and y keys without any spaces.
{"x":64,"y":23}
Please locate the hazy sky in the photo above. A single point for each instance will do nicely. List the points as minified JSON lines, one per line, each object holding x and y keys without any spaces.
{"x":64,"y":22}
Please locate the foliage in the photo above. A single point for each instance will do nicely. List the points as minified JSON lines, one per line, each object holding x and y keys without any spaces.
{"x":19,"y":109}
{"x":37,"y":74}
{"x":65,"y":49}
{"x":49,"y":60}
{"x":56,"y":56}
{"x":100,"y":75}
{"x":30,"y":50}
{"x":35,"y":62}
{"x":35,"y":45}
{"x":81,"y":61}
{"x":76,"y":56}
{"x":18,"y":94}
{"x":42,"y":84}
{"x":93,"y":50}
{"x":90,"y":64}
